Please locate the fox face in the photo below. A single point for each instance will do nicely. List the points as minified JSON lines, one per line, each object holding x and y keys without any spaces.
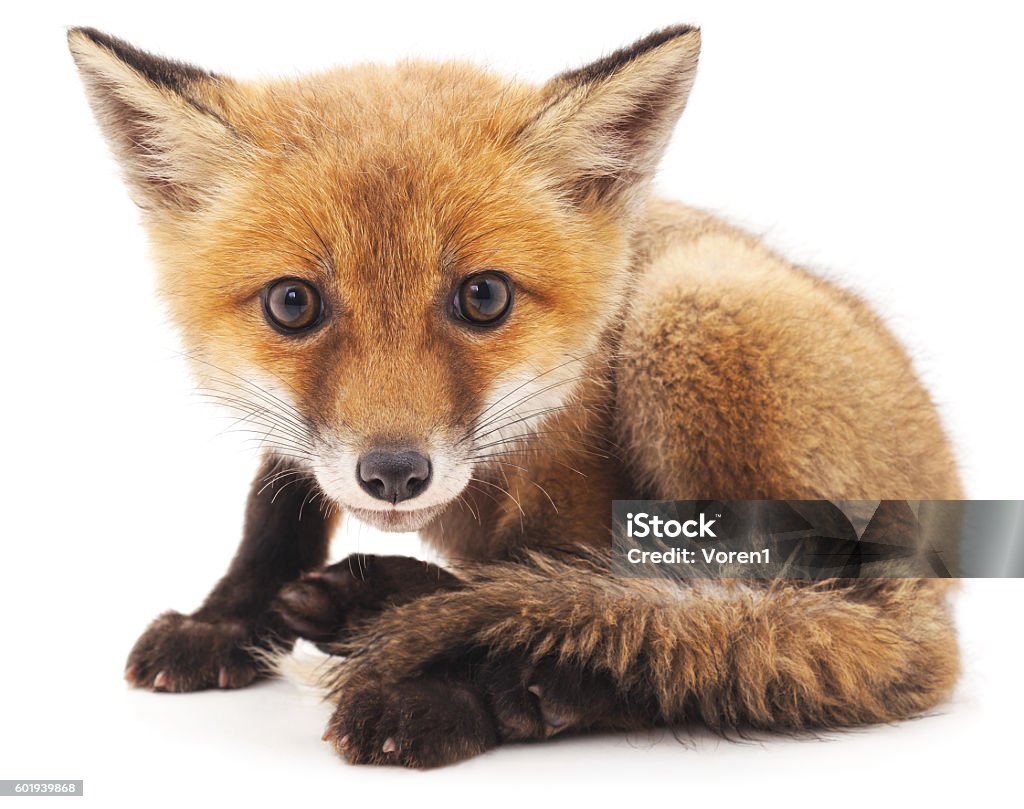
{"x":393,"y":274}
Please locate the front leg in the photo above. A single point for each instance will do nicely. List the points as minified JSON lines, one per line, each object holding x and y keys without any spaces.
{"x":327,"y":606}
{"x":468,"y":704}
{"x":284,"y":535}
{"x":548,"y":647}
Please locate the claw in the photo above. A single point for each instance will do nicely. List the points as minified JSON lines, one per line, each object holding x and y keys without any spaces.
{"x":554,"y":721}
{"x":222,"y":678}
{"x":389,"y":745}
{"x":160,"y":681}
{"x":131,"y":674}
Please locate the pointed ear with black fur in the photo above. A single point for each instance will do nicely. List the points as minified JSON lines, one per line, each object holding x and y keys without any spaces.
{"x":165,"y":121}
{"x":603,"y":128}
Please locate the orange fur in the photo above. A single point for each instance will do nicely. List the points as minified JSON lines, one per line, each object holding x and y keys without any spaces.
{"x":666,"y":354}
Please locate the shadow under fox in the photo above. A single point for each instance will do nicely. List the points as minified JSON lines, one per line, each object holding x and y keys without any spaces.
{"x":447,"y":302}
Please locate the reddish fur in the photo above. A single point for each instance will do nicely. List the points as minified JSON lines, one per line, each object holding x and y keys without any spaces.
{"x":708,"y":367}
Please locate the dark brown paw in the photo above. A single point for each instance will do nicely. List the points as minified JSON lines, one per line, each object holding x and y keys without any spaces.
{"x":181,"y":653}
{"x":317,"y":606}
{"x":536,"y":701}
{"x":324,"y":606}
{"x":416,"y":723}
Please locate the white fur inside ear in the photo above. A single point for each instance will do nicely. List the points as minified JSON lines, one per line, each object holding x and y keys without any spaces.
{"x":163,"y":121}
{"x":602,"y":137}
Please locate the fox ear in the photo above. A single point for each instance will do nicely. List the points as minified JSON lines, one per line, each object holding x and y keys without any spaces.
{"x":603,"y":128}
{"x":165,"y":121}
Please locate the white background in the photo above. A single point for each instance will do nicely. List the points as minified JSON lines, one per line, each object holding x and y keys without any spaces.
{"x":877,"y":142}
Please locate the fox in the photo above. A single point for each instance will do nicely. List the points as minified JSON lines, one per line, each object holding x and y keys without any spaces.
{"x":449,"y":302}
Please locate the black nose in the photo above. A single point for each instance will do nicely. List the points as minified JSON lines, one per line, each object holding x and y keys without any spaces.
{"x":394,"y":476}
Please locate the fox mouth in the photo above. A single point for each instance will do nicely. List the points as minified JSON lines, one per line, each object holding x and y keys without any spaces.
{"x":395,"y":490}
{"x":394,"y":520}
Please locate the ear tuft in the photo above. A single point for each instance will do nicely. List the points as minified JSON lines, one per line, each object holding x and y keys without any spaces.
{"x":603,"y":68}
{"x":167,"y":73}
{"x":166,"y":121}
{"x":603,"y":127}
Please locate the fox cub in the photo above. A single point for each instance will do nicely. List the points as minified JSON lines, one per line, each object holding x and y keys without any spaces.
{"x":449,"y":304}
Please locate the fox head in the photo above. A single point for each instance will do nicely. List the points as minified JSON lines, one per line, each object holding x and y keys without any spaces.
{"x":392,"y":272}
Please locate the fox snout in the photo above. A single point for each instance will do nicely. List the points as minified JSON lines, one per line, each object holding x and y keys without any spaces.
{"x":394,"y":476}
{"x":398,"y":483}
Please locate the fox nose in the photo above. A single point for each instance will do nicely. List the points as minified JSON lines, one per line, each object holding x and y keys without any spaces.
{"x":394,"y":476}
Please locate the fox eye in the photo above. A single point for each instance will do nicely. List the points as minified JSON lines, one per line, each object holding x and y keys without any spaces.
{"x":483,"y":298}
{"x":292,"y":305}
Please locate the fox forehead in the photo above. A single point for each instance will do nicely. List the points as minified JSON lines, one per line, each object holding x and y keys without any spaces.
{"x":380,"y":172}
{"x":438,"y":105}
{"x":404,"y":150}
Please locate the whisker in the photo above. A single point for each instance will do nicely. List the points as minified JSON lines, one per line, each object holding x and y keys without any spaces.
{"x":486,"y":494}
{"x":582,"y":445}
{"x":253,"y":386}
{"x":500,"y":489}
{"x":275,"y":477}
{"x":482,"y":422}
{"x":530,"y":480}
{"x":527,"y":382}
{"x":534,"y":414}
{"x":464,"y":501}
{"x":491,"y":459}
{"x":253,"y":413}
{"x":268,"y":400}
{"x":285,"y":486}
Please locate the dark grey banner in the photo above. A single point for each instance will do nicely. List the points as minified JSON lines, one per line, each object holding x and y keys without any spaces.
{"x":817,"y":539}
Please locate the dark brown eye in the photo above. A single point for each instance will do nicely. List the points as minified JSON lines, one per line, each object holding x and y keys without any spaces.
{"x":484,"y":298}
{"x":292,"y":305}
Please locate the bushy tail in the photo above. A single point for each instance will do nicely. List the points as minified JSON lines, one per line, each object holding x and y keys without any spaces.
{"x":782,"y":654}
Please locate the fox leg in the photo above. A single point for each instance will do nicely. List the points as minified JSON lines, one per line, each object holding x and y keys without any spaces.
{"x":468,"y":703}
{"x":450,"y":710}
{"x":525,"y":651}
{"x":284,"y":536}
{"x":327,"y":606}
